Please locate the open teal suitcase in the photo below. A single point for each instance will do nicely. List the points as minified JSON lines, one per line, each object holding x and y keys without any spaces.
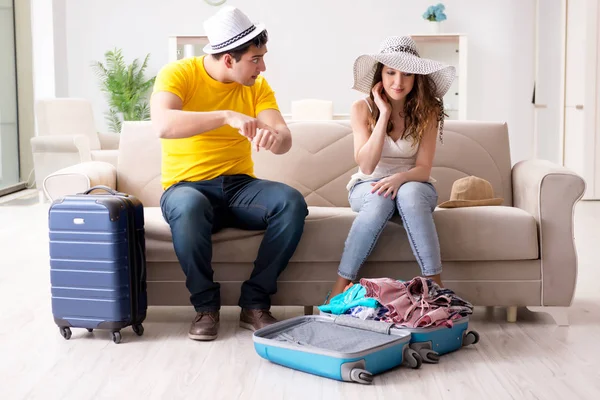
{"x":342,"y":348}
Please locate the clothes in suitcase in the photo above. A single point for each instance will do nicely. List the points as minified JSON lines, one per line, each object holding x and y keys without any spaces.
{"x":436,"y":317}
{"x":342,"y":348}
{"x":97,"y":262}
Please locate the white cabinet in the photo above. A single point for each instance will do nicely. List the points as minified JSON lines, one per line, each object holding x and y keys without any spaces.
{"x":186,"y":46}
{"x":548,"y":82}
{"x":574,"y":128}
{"x":450,"y":49}
{"x":575,"y":52}
{"x":567,"y":77}
{"x":581,"y":136}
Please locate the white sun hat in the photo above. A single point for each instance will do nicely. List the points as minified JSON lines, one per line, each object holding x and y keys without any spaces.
{"x":400,"y":53}
{"x":228,"y":29}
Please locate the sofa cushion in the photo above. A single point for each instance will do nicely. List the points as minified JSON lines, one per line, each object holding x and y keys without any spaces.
{"x":466,"y":234}
{"x":486,"y":233}
{"x":321,"y":161}
{"x":156,"y":228}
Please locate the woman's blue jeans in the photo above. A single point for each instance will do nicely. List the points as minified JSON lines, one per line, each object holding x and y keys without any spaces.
{"x":415,"y":203}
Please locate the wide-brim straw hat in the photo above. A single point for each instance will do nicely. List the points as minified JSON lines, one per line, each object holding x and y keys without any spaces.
{"x":400,"y":53}
{"x":471,"y":191}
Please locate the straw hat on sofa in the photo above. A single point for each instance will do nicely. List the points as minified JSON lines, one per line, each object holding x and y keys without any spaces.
{"x":471,"y":191}
{"x":400,"y":53}
{"x":228,"y":29}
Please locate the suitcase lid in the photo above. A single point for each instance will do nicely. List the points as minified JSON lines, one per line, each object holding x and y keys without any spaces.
{"x":340,"y":336}
{"x":114,"y":204}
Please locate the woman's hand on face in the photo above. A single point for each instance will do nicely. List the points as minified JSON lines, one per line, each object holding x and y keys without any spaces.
{"x":380,"y":100}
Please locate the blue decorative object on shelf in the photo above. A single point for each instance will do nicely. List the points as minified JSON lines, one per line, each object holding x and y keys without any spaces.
{"x":435,"y":13}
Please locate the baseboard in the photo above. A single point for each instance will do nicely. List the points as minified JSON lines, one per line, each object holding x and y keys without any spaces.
{"x":13,"y":188}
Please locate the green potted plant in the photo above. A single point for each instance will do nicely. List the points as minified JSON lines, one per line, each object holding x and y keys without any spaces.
{"x":126,"y":88}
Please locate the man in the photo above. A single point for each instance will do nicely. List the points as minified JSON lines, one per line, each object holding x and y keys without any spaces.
{"x":208,"y":112}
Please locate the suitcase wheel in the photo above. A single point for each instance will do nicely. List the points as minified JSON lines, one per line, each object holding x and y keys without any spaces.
{"x":412,"y":359}
{"x":471,"y":338}
{"x":361,"y":376}
{"x":429,"y":356}
{"x":116,"y":337}
{"x":138,"y":329}
{"x":65,"y":332}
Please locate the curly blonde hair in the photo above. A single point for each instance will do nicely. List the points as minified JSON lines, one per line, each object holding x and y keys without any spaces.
{"x":421,"y":108}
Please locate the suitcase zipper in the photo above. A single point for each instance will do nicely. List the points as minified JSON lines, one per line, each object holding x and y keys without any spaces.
{"x":132,"y":250}
{"x":134,"y":264}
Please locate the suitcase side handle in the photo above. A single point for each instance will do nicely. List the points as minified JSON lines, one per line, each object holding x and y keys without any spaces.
{"x":106,"y":189}
{"x":143,"y":269}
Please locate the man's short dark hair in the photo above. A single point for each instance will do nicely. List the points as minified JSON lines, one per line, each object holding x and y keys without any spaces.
{"x":239,"y":51}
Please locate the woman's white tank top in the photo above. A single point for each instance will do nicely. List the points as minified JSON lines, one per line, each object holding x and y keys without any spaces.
{"x":396,"y":156}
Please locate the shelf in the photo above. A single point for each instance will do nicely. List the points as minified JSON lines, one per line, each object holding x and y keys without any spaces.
{"x":437,"y":38}
{"x":451,"y":49}
{"x":437,"y":35}
{"x":191,"y":39}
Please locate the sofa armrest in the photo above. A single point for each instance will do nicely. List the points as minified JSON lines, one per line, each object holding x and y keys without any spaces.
{"x":79,"y":178}
{"x":549,"y":193}
{"x":62,"y":144}
{"x":109,"y":141}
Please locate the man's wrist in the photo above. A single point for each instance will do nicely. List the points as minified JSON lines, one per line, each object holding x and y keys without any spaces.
{"x":225,"y":117}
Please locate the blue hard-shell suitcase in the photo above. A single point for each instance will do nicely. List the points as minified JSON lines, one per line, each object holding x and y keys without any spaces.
{"x":342,"y":348}
{"x":435,"y":341}
{"x":97,"y":262}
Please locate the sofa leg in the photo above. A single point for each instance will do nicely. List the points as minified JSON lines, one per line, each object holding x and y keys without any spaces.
{"x":308,"y":310}
{"x":559,"y":314}
{"x":511,"y":314}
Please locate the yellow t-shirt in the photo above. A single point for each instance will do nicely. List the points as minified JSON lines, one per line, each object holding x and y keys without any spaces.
{"x":222,"y":151}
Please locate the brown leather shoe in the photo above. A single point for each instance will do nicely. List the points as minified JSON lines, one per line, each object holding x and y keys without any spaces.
{"x":255,"y":319}
{"x":205,"y":326}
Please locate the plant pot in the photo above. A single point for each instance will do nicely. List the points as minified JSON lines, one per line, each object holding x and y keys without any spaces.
{"x":435,"y":27}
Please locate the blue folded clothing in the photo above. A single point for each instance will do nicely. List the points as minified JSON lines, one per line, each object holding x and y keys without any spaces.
{"x":353,"y":297}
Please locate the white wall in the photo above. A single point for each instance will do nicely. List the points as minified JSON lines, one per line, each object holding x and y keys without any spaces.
{"x":42,"y":30}
{"x":313,"y":44}
{"x":59,"y":14}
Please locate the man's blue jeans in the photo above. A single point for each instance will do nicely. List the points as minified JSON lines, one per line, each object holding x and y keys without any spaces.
{"x":196,"y":210}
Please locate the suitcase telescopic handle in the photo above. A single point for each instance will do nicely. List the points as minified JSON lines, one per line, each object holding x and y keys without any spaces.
{"x":106,"y":189}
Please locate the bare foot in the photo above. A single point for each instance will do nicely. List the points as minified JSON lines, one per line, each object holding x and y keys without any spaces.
{"x":340,"y":286}
{"x":437,"y":279}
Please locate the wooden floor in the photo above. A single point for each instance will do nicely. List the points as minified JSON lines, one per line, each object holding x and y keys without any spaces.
{"x":532,"y":359}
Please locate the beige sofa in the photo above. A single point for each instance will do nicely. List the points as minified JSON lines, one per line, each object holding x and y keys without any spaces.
{"x":519,"y":254}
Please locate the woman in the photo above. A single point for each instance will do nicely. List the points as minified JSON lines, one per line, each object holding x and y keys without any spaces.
{"x":395,"y":131}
